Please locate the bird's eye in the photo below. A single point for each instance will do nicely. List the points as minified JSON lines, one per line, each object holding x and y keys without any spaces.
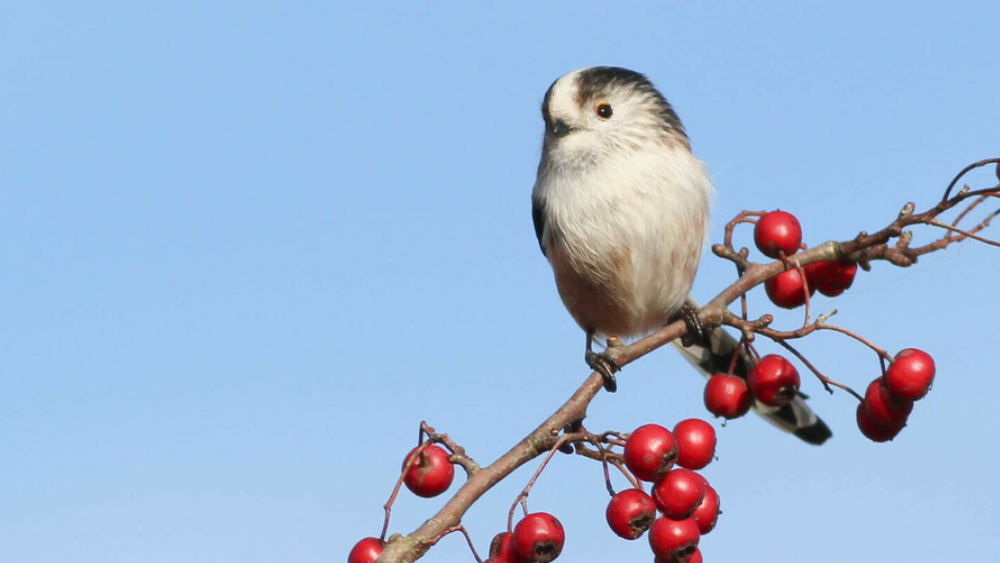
{"x":604,"y":110}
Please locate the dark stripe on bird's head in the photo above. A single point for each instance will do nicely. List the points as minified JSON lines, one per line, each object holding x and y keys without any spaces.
{"x":596,"y":82}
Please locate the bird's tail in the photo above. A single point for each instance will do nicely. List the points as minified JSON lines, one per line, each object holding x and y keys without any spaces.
{"x":714,"y":354}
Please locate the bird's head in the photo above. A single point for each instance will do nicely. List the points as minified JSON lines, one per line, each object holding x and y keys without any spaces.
{"x":600,"y":109}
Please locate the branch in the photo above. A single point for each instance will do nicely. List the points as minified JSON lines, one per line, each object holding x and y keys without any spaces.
{"x":863,"y":249}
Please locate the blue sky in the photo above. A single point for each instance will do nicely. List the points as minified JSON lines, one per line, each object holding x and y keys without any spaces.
{"x":247,"y":247}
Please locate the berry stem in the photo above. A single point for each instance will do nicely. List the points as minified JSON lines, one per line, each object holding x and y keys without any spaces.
{"x":880,"y":351}
{"x":458,"y":528}
{"x":604,"y":465}
{"x":522,"y":498}
{"x":748,"y":217}
{"x":399,"y":482}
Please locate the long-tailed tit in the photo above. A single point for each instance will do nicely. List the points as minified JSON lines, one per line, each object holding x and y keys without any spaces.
{"x":620,"y":209}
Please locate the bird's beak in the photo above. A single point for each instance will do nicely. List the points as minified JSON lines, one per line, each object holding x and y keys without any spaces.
{"x":560,"y":128}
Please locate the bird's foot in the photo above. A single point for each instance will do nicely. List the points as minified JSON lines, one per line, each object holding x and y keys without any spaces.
{"x":697,"y":331}
{"x":604,"y":364}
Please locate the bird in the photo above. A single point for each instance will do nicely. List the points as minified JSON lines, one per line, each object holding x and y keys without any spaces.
{"x":620,"y":208}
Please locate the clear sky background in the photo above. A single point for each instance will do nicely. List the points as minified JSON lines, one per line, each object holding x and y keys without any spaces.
{"x":246,"y":248}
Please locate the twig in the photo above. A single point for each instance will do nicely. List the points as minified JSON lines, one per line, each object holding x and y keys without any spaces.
{"x":458,"y":455}
{"x":826,"y":381}
{"x":965,"y":171}
{"x":458,"y":528}
{"x":965,"y":234}
{"x":523,"y":496}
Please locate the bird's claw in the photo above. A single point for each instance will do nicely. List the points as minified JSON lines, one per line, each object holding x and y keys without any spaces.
{"x":697,"y":331}
{"x":604,"y":364}
{"x":696,"y":327}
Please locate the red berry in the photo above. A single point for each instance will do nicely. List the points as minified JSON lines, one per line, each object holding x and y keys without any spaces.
{"x":774,"y":381}
{"x":674,"y":540}
{"x":873,"y":429}
{"x":777,"y":231}
{"x":695,"y":443}
{"x":786,"y":289}
{"x":909,"y":377}
{"x":695,"y":558}
{"x":831,"y":278}
{"x":727,"y":396}
{"x":630,"y":513}
{"x":707,"y":513}
{"x":538,"y":538}
{"x":883,"y":408}
{"x":431,"y":474}
{"x":366,"y":551}
{"x":650,"y":452}
{"x":501,"y":548}
{"x":679,"y":493}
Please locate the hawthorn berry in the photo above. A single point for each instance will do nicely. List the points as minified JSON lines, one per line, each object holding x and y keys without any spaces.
{"x":695,"y":558}
{"x":538,"y":538}
{"x":501,"y":548}
{"x":873,"y":429}
{"x":431,"y":474}
{"x":727,"y":396}
{"x":787,"y":290}
{"x":630,"y":513}
{"x":674,"y":540}
{"x":366,"y":551}
{"x":695,"y":443}
{"x":650,"y":452}
{"x":774,"y":381}
{"x":679,"y":493}
{"x":910,"y":375}
{"x":777,"y":231}
{"x":883,"y":408}
{"x":707,"y":513}
{"x":831,"y":278}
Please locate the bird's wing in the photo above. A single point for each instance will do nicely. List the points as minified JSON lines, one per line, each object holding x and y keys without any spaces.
{"x":538,"y":217}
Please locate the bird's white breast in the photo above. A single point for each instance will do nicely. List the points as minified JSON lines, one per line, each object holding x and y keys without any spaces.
{"x":624,"y":236}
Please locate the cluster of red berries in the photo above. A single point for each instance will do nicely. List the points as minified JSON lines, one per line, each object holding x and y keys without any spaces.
{"x":688,"y":505}
{"x":889,"y":399}
{"x":779,"y":232}
{"x":774,"y":381}
{"x":427,"y":474}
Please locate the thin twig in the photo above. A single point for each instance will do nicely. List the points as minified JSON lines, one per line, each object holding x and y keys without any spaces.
{"x":458,"y":528}
{"x":966,"y":170}
{"x":458,"y":455}
{"x":826,"y":381}
{"x":523,"y":496}
{"x":965,"y":234}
